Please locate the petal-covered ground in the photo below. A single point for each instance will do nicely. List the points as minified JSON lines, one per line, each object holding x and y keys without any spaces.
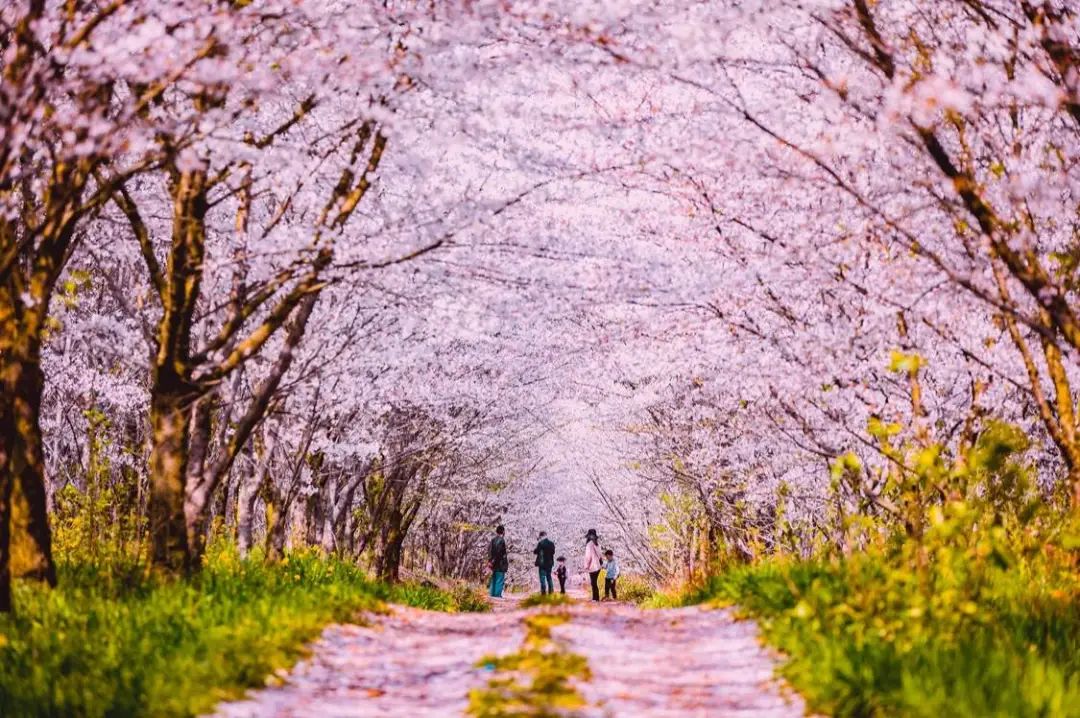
{"x":677,"y":663}
{"x":684,"y":662}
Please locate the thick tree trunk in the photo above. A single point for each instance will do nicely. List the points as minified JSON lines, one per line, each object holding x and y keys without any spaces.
{"x":7,"y":433}
{"x":172,"y":393}
{"x":26,"y":541}
{"x":197,"y":494}
{"x":388,"y":562}
{"x":31,"y":538}
{"x":392,"y":538}
{"x":313,"y":519}
{"x":276,"y":515}
{"x":168,"y":468}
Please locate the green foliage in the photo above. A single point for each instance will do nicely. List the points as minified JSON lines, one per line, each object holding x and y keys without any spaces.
{"x":549,"y":669}
{"x":866,"y":638}
{"x":111,"y":641}
{"x":673,"y":598}
{"x":432,"y":598}
{"x":76,"y":282}
{"x":905,"y":363}
{"x":470,"y":599}
{"x":959,"y":599}
{"x":634,"y":588}
{"x":986,"y":485}
{"x":98,"y":522}
{"x":681,"y":517}
{"x":546,"y":599}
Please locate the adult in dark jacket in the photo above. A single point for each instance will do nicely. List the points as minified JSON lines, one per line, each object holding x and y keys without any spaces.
{"x":545,"y":561}
{"x":498,"y":561}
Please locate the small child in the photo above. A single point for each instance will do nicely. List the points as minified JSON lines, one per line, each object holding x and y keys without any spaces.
{"x":560,"y":573}
{"x":611,"y":573}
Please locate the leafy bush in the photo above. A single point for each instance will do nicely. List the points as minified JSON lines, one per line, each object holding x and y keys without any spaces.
{"x":423,"y":594}
{"x":635,"y":589}
{"x":961,"y":600}
{"x":470,"y":599}
{"x":112,"y":641}
{"x":866,"y":639}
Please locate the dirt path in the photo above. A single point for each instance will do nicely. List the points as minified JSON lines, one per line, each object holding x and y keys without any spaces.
{"x":687,"y":662}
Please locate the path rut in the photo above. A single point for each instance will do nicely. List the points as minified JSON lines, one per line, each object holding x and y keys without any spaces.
{"x":687,"y":662}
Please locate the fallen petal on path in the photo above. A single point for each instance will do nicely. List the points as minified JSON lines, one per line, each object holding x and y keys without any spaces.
{"x":682,"y":663}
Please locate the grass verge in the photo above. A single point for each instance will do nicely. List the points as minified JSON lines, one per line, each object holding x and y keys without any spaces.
{"x":111,"y":642}
{"x":862,"y":639}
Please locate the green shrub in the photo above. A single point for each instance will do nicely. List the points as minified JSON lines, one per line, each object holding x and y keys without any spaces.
{"x":470,"y":599}
{"x":422,"y":595}
{"x":963,"y":599}
{"x":427,"y":595}
{"x":635,"y":589}
{"x":863,"y":638}
{"x":112,"y":642}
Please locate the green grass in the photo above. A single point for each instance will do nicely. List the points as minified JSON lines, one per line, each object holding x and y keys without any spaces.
{"x":461,"y":597}
{"x":546,"y":599}
{"x":865,"y":640}
{"x":111,"y":642}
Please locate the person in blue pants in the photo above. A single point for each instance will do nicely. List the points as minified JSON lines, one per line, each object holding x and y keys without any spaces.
{"x":545,"y":561}
{"x":498,"y":561}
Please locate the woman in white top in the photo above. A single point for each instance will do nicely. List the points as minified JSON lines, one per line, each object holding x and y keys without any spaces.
{"x":593,"y":561}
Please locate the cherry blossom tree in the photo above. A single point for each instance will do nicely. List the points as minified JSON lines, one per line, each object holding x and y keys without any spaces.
{"x":79,"y":85}
{"x":374,"y":277}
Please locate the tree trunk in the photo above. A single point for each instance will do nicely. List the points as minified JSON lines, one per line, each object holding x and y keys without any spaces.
{"x":328,"y":536}
{"x":276,"y":522}
{"x":172,"y":392}
{"x":251,"y":487}
{"x":388,"y":562}
{"x":245,"y":514}
{"x":7,"y":433}
{"x":31,"y":539}
{"x":313,"y":519}
{"x":197,"y":495}
{"x":226,"y":498}
{"x":35,"y":249}
{"x":171,"y":550}
{"x":393,"y":533}
{"x":25,"y":539}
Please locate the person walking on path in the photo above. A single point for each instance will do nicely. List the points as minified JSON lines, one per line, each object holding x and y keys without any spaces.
{"x":560,"y":573}
{"x":545,"y":560}
{"x":498,"y":562}
{"x":611,"y":572}
{"x":592,"y":562}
